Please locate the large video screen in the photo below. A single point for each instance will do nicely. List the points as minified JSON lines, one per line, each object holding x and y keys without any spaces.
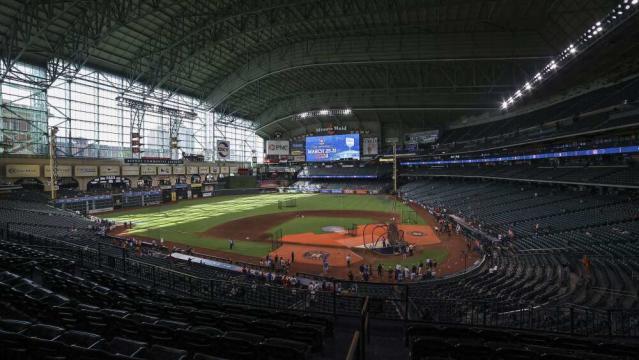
{"x":332,"y":147}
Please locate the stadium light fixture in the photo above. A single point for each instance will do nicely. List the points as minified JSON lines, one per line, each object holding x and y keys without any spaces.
{"x":623,"y":10}
{"x":324,"y":112}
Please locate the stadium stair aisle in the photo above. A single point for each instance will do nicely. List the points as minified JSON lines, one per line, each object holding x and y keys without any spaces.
{"x":386,"y":340}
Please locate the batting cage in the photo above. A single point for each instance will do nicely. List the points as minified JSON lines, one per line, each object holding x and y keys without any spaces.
{"x":276,"y":239}
{"x":288,"y":203}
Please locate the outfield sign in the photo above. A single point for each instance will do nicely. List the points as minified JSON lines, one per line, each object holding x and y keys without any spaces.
{"x":277,"y":147}
{"x":109,"y":170}
{"x":164,"y":170}
{"x":63,"y":171}
{"x":22,"y":171}
{"x":148,"y":170}
{"x":192,"y":170}
{"x":223,"y":149}
{"x":86,"y":171}
{"x":203,"y":169}
{"x":370,"y":146}
{"x":130,"y":170}
{"x":166,"y":161}
{"x":179,"y":170}
{"x":421,"y":137}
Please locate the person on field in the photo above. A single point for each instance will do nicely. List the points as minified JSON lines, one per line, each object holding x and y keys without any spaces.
{"x":348,"y":260}
{"x":231,"y":243}
{"x":292,"y":257}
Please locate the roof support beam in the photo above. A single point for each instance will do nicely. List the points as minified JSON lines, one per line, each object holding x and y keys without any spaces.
{"x":382,"y":49}
{"x":375,"y":100}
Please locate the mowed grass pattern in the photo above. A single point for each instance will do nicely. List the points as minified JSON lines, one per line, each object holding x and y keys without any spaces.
{"x":314,"y":224}
{"x":183,"y":221}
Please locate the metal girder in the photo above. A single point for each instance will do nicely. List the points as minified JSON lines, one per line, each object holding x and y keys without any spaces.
{"x":30,"y":35}
{"x":372,"y":100}
{"x":451,"y":76}
{"x":193,"y":33}
{"x":378,"y":49}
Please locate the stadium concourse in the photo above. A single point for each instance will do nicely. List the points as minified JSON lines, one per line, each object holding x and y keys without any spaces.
{"x":310,"y":180}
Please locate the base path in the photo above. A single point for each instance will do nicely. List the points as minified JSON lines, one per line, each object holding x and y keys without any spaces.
{"x":259,"y":227}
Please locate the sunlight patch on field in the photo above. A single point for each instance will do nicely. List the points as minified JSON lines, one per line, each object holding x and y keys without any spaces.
{"x":171,"y":217}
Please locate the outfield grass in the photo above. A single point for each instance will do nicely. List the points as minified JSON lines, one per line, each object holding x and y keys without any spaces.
{"x":182,"y":221}
{"x":314,"y":224}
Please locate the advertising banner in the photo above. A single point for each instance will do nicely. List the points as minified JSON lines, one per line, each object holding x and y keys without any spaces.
{"x":109,"y":170}
{"x":215,"y":170}
{"x":148,"y":170}
{"x":223,"y":149}
{"x":361,"y":192}
{"x":203,"y":169}
{"x":192,"y":170}
{"x":164,"y":170}
{"x":224,"y":170}
{"x":298,"y":158}
{"x":370,"y":146}
{"x":86,"y":171}
{"x":349,"y":191}
{"x":332,"y":147}
{"x":233,"y":169}
{"x":63,"y":171}
{"x":179,"y":170}
{"x":130,"y":170}
{"x":19,"y":171}
{"x":277,"y":147}
{"x":421,"y":137}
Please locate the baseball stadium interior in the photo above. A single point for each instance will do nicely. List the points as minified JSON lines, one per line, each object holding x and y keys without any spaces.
{"x":319,"y":179}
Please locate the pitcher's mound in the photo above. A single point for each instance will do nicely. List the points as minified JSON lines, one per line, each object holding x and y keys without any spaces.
{"x":333,"y":229}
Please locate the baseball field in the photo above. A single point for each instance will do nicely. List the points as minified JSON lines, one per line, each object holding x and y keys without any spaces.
{"x":283,"y":224}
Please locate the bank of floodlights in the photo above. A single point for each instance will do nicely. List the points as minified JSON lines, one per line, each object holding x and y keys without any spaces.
{"x":324,"y":113}
{"x":622,"y":11}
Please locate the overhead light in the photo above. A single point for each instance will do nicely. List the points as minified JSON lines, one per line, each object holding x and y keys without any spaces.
{"x":303,"y":115}
{"x":347,"y":112}
{"x":323,"y":112}
{"x":596,"y":30}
